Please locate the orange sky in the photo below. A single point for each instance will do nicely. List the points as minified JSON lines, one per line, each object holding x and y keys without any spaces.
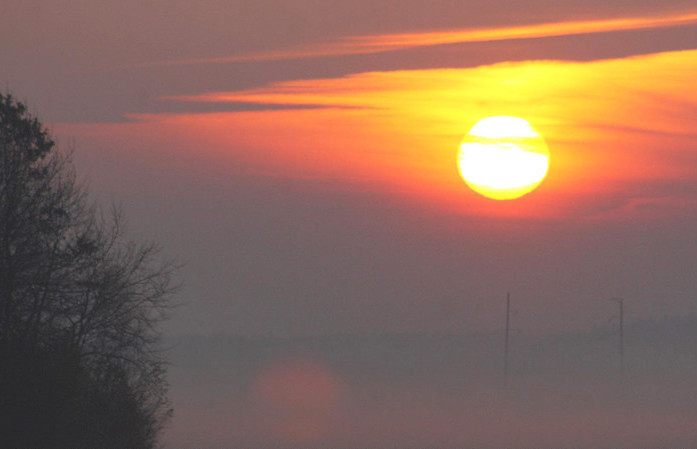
{"x":616,"y":129}
{"x":286,"y":157}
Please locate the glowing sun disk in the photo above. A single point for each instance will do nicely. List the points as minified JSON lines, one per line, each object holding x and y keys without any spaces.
{"x":503,"y":158}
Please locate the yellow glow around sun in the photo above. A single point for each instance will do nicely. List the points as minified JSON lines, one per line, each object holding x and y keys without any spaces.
{"x":503,"y":158}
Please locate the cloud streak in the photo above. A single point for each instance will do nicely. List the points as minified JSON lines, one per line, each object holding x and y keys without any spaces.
{"x":359,"y":45}
{"x":615,"y":127}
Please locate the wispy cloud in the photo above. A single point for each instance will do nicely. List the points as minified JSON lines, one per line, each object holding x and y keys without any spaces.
{"x":617,"y":129}
{"x":410,"y":40}
{"x":401,"y":41}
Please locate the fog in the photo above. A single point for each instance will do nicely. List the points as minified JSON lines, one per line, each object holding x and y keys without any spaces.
{"x":564,"y":390}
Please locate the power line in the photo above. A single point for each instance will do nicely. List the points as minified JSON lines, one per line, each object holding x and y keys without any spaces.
{"x":620,"y":301}
{"x":505,"y":350}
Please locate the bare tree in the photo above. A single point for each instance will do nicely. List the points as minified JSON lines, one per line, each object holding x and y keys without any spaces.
{"x":79,"y":305}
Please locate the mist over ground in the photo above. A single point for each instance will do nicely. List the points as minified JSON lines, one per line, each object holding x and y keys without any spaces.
{"x":439,"y":391}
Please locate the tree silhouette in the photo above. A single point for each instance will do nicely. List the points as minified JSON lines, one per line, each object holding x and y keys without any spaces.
{"x":79,"y":306}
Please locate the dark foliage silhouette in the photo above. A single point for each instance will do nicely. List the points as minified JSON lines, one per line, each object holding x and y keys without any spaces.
{"x":80,"y":364}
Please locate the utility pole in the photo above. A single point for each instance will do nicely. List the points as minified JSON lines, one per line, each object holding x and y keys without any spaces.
{"x":620,"y":301}
{"x":505,"y":349}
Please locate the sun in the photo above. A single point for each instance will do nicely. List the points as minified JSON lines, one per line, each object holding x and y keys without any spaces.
{"x":503,"y":158}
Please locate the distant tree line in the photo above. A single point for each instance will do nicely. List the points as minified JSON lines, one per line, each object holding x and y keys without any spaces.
{"x":80,"y":365}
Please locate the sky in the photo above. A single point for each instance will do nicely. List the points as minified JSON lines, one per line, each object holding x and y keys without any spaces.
{"x":300,"y":156}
